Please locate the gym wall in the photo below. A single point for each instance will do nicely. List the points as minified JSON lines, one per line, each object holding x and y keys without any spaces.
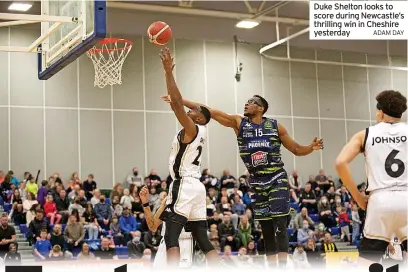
{"x":65,"y":124}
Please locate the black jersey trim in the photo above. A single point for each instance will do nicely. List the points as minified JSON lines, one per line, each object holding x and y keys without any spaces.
{"x":365,"y":140}
{"x":179,"y":159}
{"x":195,"y":137}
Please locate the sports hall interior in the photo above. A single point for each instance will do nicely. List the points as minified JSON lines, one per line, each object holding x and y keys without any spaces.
{"x":314,"y":88}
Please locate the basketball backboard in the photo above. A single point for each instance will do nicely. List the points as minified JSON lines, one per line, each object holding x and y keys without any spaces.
{"x":68,"y":29}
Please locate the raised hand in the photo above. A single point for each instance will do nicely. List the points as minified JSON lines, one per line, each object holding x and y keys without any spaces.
{"x":167,"y":60}
{"x":317,"y":144}
{"x":144,"y":195}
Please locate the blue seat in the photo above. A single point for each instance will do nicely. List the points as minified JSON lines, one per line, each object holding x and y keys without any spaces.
{"x":290,"y":231}
{"x":107,"y":201}
{"x":24,"y":229}
{"x":295,"y":206}
{"x":122,"y":251}
{"x":315,"y":217}
{"x":7,"y":207}
{"x":335,"y":231}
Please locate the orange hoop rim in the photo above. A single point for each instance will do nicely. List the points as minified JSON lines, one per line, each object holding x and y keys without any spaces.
{"x":110,"y":41}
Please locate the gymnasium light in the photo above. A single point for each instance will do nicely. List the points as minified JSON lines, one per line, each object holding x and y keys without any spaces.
{"x":247,"y":24}
{"x":20,"y":6}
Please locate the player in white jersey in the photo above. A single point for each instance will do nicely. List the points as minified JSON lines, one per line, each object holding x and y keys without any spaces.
{"x":385,"y":147}
{"x":153,"y":222}
{"x":187,"y":196}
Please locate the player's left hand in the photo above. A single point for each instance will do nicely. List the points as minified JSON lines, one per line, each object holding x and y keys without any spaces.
{"x":317,"y":143}
{"x":167,"y":60}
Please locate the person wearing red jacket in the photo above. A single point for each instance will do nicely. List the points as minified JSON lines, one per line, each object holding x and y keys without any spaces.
{"x":344,"y":223}
{"x":50,"y":210}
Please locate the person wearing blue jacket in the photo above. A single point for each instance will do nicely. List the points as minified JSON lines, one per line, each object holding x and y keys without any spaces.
{"x":127,"y":224}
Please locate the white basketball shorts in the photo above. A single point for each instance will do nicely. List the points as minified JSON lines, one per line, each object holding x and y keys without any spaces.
{"x":186,"y":201}
{"x":186,"y":254}
{"x":387,"y":216}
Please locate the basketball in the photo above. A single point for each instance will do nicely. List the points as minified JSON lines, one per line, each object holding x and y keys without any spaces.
{"x":159,"y":33}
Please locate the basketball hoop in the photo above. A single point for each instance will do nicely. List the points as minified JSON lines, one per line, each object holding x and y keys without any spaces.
{"x":108,"y":57}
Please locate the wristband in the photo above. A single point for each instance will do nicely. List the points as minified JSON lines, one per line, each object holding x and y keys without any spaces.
{"x":145,"y":205}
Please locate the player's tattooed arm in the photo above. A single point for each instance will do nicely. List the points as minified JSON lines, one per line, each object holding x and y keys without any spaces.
{"x":153,"y":221}
{"x":346,"y":156}
{"x":296,"y":148}
{"x":227,"y":120}
{"x":176,"y":100}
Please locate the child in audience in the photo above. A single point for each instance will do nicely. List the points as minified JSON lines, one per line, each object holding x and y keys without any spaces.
{"x":32,"y":187}
{"x":56,"y":253}
{"x":344,"y":224}
{"x":356,"y":223}
{"x":50,"y":210}
{"x":12,"y":257}
{"x":127,"y":199}
{"x":115,"y":231}
{"x":42,"y":247}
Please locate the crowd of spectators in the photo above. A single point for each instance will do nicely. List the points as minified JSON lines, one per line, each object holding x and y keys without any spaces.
{"x":72,"y":218}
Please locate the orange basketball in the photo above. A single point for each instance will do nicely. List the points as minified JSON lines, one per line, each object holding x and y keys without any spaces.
{"x":159,"y":33}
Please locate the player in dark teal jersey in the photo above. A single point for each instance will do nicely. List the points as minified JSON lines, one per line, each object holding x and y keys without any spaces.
{"x":259,"y":141}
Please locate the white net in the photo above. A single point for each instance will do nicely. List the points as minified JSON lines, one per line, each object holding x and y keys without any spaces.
{"x":108,"y":57}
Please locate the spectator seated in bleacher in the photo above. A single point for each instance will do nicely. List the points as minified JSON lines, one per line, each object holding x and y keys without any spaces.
{"x":62,"y":203}
{"x":103,"y":213}
{"x":76,"y":206}
{"x":152,"y":241}
{"x":307,"y":198}
{"x":29,"y":202}
{"x":56,"y":254}
{"x":135,"y":246}
{"x":325,"y":212}
{"x":90,"y":222}
{"x":320,"y":233}
{"x":116,"y":231}
{"x":12,"y":257}
{"x":38,"y":223}
{"x":105,"y":252}
{"x":301,"y":217}
{"x":42,"y":247}
{"x":74,"y":232}
{"x":85,"y":253}
{"x":300,"y":259}
{"x":227,"y":234}
{"x":313,"y":253}
{"x":328,"y":245}
{"x":50,"y":210}
{"x":244,"y":231}
{"x":304,"y":233}
{"x":128,"y":225}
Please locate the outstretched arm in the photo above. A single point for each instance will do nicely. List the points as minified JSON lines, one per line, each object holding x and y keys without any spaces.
{"x":227,"y":120}
{"x":190,"y":130}
{"x":348,"y":154}
{"x":294,"y":147}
